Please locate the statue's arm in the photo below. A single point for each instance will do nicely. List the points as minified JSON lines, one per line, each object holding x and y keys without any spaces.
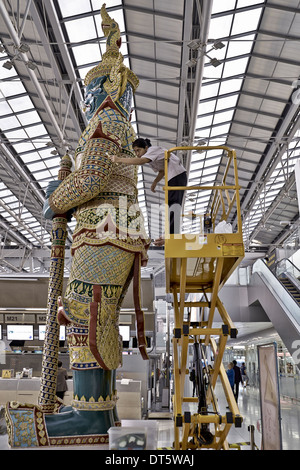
{"x":81,"y":185}
{"x":95,"y":166}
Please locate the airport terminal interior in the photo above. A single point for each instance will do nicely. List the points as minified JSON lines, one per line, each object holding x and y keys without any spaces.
{"x":170,"y":340}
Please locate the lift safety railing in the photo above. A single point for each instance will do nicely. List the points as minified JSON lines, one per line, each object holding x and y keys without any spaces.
{"x":223,"y":202}
{"x":201,"y":263}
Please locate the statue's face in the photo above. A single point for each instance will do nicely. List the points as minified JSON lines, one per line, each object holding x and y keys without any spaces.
{"x":94,"y":96}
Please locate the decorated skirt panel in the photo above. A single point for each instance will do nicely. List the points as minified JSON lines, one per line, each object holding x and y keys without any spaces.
{"x":26,"y":428}
{"x":94,"y":332}
{"x":26,"y":425}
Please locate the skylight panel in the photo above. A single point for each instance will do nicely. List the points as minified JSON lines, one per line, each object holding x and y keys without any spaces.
{"x":10,"y":122}
{"x":4,"y":108}
{"x":240,"y":46}
{"x":14,"y":205}
{"x":126,"y":62}
{"x":28,"y":118}
{"x":108,"y":3}
{"x":246,"y":3}
{"x":30,"y":157}
{"x":53,"y":161}
{"x":30,"y":220}
{"x":220,"y":26}
{"x":36,"y":166}
{"x":87,"y":54}
{"x":203,"y":122}
{"x":220,"y":6}
{"x":223,"y":117}
{"x":9,"y":198}
{"x":35,"y":131}
{"x":12,"y":88}
{"x":206,"y":107}
{"x":229,"y":86}
{"x":20,"y":104}
{"x":16,"y":135}
{"x":23,"y":147}
{"x":227,"y":102}
{"x":208,"y":91}
{"x":211,"y":73}
{"x":75,"y":7}
{"x":235,"y":67}
{"x":124,"y":52}
{"x":220,"y":130}
{"x":41,"y":174}
{"x":246,"y":21}
{"x":5,"y":73}
{"x":195,"y":174}
{"x":81,"y":29}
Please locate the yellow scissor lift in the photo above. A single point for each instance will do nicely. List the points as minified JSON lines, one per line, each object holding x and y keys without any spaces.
{"x":199,"y":264}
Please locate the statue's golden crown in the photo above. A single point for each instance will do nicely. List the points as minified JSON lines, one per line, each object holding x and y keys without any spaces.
{"x":112,"y":57}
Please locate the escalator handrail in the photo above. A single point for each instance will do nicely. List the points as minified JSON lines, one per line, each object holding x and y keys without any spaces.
{"x":286,"y":259}
{"x":281,"y":283}
{"x":290,"y":275}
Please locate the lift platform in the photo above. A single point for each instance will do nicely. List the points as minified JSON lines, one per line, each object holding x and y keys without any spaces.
{"x":197,"y":266}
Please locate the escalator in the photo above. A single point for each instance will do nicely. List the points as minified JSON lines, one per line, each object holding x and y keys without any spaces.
{"x":294,"y":292}
{"x":289,"y":276}
{"x":278,"y":292}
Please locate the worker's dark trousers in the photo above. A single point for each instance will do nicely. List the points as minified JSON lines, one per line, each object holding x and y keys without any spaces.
{"x":175,"y":200}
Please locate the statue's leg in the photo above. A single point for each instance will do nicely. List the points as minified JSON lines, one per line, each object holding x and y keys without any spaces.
{"x":92,"y":409}
{"x":101,"y":294}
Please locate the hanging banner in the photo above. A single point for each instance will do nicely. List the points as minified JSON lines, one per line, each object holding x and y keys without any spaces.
{"x":269,"y":397}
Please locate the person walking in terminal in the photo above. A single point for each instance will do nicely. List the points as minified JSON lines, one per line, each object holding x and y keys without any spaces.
{"x":177,"y":176}
{"x":244,"y":375}
{"x":237,"y":379}
{"x":231,"y":375}
{"x":61,"y":384}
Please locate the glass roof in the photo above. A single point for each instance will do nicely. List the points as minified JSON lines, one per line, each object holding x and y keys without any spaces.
{"x":224,"y":87}
{"x":21,"y":123}
{"x":220,"y":89}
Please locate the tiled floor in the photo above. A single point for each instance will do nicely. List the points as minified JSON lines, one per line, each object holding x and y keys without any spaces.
{"x":250,"y":410}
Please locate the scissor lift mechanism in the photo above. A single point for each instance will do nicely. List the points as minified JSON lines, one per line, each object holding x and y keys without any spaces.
{"x":200,"y":264}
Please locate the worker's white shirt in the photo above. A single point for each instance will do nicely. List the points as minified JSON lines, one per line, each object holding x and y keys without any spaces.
{"x":157,"y":157}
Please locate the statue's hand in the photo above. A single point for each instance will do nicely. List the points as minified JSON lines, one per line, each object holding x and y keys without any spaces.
{"x":47,"y":211}
{"x":52,"y":186}
{"x":49,"y":214}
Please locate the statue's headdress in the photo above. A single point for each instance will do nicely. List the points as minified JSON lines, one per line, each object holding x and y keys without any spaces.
{"x":112,"y":61}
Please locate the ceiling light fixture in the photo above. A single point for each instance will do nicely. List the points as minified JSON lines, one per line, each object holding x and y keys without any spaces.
{"x":201,"y":142}
{"x":31,"y":65}
{"x":8,"y":65}
{"x":191,"y":62}
{"x":194,"y":44}
{"x":23,"y":48}
{"x":218,"y":45}
{"x":215,"y":62}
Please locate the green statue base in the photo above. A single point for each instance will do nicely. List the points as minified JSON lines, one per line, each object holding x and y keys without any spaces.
{"x":86,"y":422}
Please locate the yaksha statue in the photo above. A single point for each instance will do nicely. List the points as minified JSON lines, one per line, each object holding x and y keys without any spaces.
{"x":109,"y":246}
